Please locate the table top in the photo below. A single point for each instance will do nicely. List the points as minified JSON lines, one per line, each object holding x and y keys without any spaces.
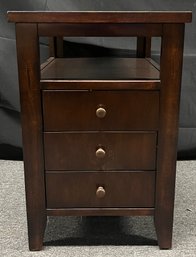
{"x":100,"y":16}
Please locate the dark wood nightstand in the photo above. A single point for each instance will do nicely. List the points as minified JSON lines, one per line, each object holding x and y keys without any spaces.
{"x":100,"y":134}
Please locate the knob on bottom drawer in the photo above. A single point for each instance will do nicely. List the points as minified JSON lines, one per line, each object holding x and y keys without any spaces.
{"x":100,"y":193}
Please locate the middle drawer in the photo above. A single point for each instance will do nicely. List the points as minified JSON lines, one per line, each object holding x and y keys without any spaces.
{"x":100,"y":151}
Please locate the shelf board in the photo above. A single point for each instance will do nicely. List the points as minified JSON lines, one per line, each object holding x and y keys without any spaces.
{"x":101,"y":68}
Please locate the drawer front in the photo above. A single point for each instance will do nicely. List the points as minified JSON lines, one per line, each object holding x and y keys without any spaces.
{"x":100,"y":189}
{"x":100,"y":151}
{"x":100,"y":110}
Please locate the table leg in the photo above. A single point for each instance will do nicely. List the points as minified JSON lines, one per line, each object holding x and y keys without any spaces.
{"x":170,"y":74}
{"x":31,"y":116}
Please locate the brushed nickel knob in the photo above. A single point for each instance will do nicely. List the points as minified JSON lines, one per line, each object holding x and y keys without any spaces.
{"x":100,"y":193}
{"x":101,"y":112}
{"x":100,"y":153}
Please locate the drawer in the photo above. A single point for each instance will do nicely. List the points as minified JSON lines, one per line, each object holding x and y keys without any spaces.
{"x":100,"y":110}
{"x":100,"y":189}
{"x":100,"y":151}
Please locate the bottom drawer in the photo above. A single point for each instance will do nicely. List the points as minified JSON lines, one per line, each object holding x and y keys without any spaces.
{"x":100,"y":189}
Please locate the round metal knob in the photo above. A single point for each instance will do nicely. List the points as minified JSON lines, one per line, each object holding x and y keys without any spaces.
{"x":101,"y":112}
{"x":100,"y":193}
{"x":100,"y":153}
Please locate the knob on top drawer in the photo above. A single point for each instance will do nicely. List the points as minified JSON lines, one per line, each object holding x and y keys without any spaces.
{"x":100,"y":110}
{"x":100,"y":153}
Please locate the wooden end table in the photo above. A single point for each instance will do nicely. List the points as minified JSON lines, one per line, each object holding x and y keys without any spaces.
{"x":100,"y":134}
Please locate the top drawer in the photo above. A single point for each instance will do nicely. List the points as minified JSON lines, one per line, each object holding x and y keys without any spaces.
{"x":100,"y":110}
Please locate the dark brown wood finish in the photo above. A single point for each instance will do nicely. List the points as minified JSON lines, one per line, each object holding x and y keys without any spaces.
{"x":153,"y":63}
{"x":171,"y":66}
{"x":31,"y":115}
{"x":101,"y":212}
{"x":143,"y":47}
{"x":102,"y":68}
{"x":101,"y":17}
{"x":90,"y":29}
{"x":51,"y":44}
{"x":76,"y":110}
{"x":56,"y":46}
{"x":137,"y":137}
{"x":125,"y":189}
{"x":63,"y":149}
{"x":100,"y":84}
{"x":47,"y":62}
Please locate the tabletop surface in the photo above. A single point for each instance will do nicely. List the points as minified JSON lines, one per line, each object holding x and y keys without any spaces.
{"x":100,"y":16}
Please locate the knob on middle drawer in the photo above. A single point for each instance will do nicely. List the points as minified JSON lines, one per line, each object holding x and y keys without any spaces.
{"x":101,"y":112}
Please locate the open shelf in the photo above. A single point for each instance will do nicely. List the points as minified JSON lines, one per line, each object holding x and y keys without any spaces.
{"x":101,"y":68}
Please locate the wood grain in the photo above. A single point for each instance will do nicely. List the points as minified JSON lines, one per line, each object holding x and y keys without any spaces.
{"x":100,"y":84}
{"x":31,"y":115}
{"x":97,"y":29}
{"x":77,"y":151}
{"x":101,"y":17}
{"x":124,"y":189}
{"x":76,"y":110}
{"x":101,"y":212}
{"x":101,"y":68}
{"x":171,"y":68}
{"x":144,"y":46}
{"x":138,"y":133}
